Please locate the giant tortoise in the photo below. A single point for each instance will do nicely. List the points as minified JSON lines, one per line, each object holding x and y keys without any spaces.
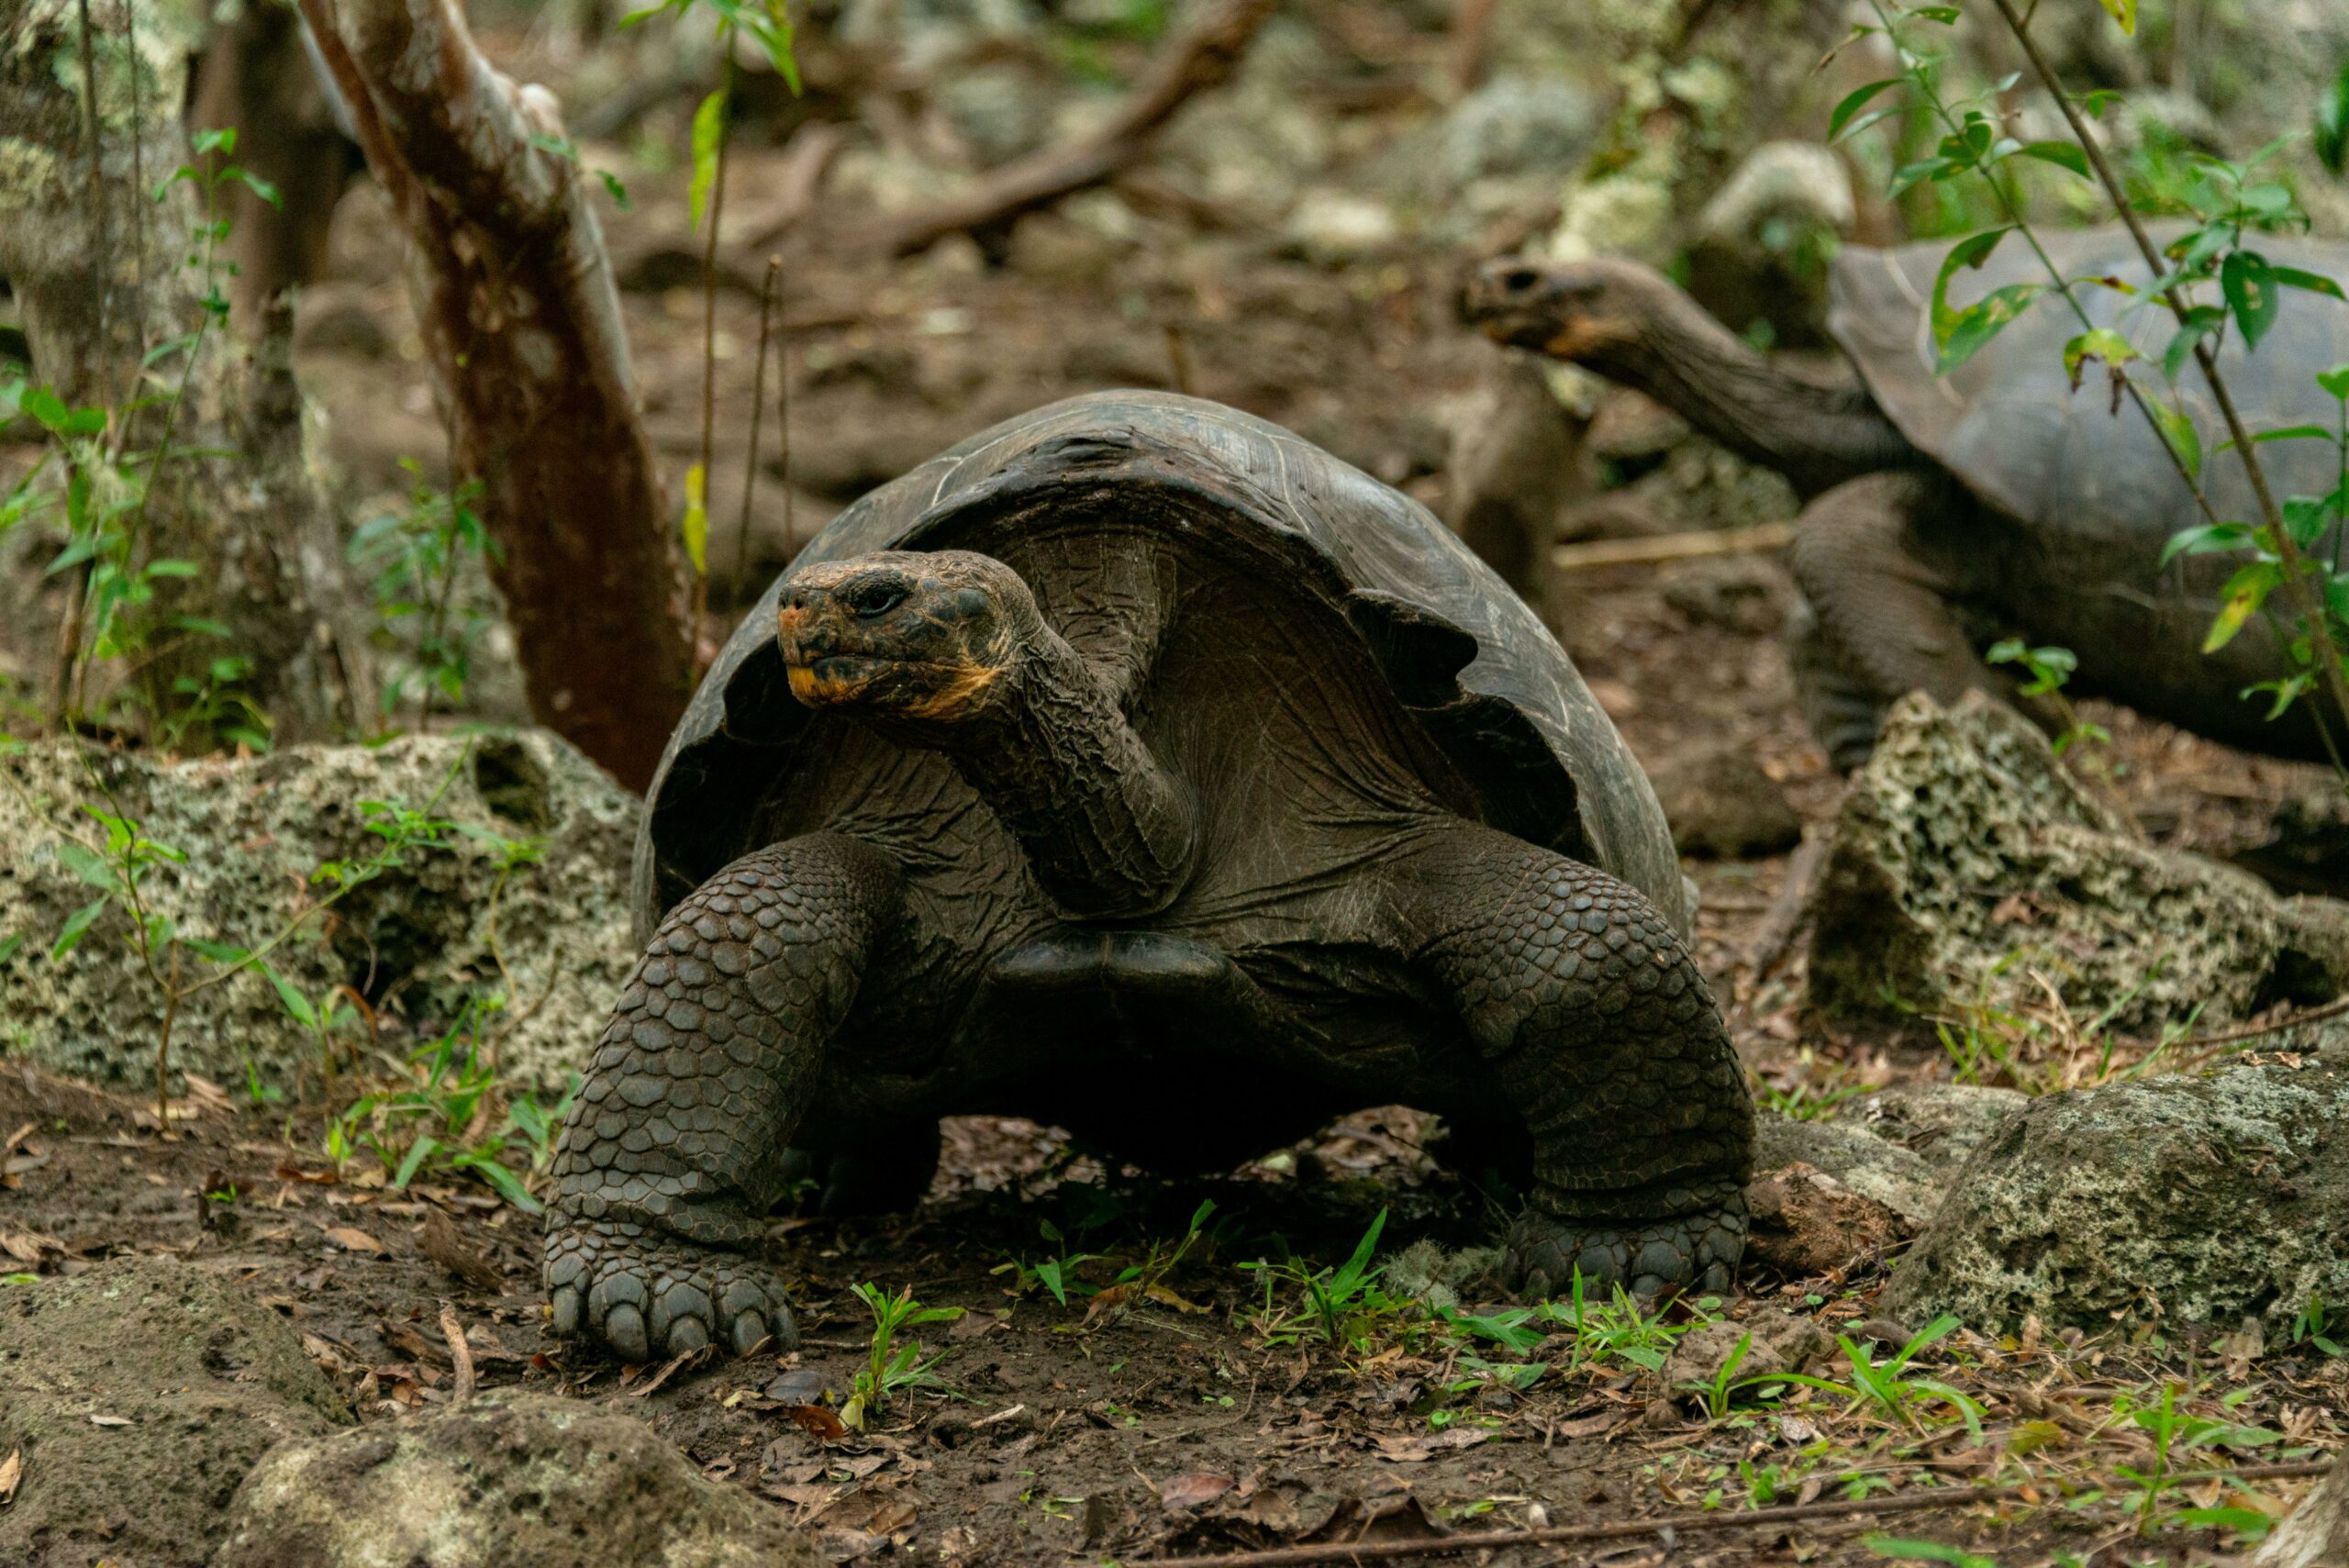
{"x":1139,"y":767}
{"x":1944,"y":512}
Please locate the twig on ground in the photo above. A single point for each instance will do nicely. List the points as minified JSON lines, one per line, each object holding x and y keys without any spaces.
{"x":459,"y":1352}
{"x":1685,"y":1523}
{"x":1672,"y":547}
{"x":1205,"y":57}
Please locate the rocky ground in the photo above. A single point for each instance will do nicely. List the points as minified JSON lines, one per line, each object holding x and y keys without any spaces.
{"x":1971,"y":1102}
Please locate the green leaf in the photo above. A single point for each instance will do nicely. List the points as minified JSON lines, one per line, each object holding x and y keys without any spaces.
{"x":418,"y":1153}
{"x":697,"y":524}
{"x":2314,"y":283}
{"x":2244,"y":593}
{"x":223,"y":141}
{"x":1925,"y":169}
{"x":1970,"y":252}
{"x":1972,"y":328}
{"x":2251,"y":293}
{"x":294,"y":1002}
{"x":509,"y":1186}
{"x":2206,"y":539}
{"x":217,"y":952}
{"x":9,"y":946}
{"x":2064,"y":154}
{"x":1854,"y":102}
{"x":2200,"y":322}
{"x":2125,"y":12}
{"x":169,"y":568}
{"x":613,"y":188}
{"x":83,"y":864}
{"x":77,"y":926}
{"x":710,"y":134}
{"x":2335,"y":382}
{"x":1927,"y":1551}
{"x":2332,"y":123}
{"x":2096,"y":344}
{"x":2177,"y":429}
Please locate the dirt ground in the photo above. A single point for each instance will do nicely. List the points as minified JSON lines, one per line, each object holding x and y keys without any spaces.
{"x":1192,"y":1420}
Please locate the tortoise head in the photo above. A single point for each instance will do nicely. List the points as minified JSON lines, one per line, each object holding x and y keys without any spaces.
{"x":915,"y":641}
{"x":1586,"y":311}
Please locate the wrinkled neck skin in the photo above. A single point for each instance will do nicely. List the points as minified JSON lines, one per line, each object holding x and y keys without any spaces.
{"x":1817,"y":437}
{"x":1109,"y":834}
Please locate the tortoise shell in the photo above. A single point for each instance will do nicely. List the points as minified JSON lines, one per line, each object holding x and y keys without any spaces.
{"x":2009,"y":424}
{"x":1498,"y":722}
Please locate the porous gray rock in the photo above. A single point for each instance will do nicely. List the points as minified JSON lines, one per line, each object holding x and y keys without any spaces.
{"x":416,"y":941}
{"x":507,"y":1478}
{"x":2188,"y":1199}
{"x":1968,"y":861}
{"x":139,"y":1395}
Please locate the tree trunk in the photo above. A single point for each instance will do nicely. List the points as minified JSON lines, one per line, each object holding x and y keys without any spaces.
{"x":102,"y":271}
{"x":520,"y":319}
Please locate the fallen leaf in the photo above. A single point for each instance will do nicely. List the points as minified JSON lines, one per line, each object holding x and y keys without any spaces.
{"x":351,"y":1239}
{"x":1590,"y":1425}
{"x":1192,"y":1490}
{"x":815,"y":1418}
{"x":445,"y":1245}
{"x":845,"y":1545}
{"x":806,"y":1493}
{"x":109,"y":1420}
{"x":12,"y":1472}
{"x":1414,"y":1447}
{"x":27,"y":1246}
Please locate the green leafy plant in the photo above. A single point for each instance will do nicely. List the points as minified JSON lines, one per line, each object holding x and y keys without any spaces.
{"x":1886,"y":1387}
{"x":767,"y":22}
{"x":2211,"y":279}
{"x":1054,"y":1274}
{"x":894,"y":1363}
{"x":445,"y":1119}
{"x":415,"y":559}
{"x":1332,"y":1295}
{"x":2310,"y":1325}
{"x":1619,"y":1329}
{"x":125,"y":863}
{"x":2175,"y":1433}
{"x":1926,"y":1551}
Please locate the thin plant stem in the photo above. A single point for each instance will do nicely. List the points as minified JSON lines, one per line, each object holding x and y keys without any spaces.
{"x":709,"y":330}
{"x":758,"y":408}
{"x":163,"y":1044}
{"x":2287,"y":550}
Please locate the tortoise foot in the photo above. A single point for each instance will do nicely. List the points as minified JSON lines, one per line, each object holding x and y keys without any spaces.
{"x":646,"y":1296}
{"x":1697,"y":1250}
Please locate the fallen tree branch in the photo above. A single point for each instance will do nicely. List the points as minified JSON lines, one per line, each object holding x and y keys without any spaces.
{"x":520,"y":319}
{"x":1685,"y":1524}
{"x":1672,"y":547}
{"x":1203,"y":58}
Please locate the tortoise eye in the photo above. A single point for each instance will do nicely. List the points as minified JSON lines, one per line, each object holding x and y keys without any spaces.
{"x":872,"y":599}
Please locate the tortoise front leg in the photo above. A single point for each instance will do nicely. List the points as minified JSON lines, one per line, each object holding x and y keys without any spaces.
{"x":1884,"y":622}
{"x":676,"y":1151}
{"x":1602,"y":1037}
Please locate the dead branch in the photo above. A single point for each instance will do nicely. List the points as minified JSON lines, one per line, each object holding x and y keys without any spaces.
{"x":1203,"y":58}
{"x":1685,"y":1523}
{"x":1672,"y":547}
{"x":520,"y":317}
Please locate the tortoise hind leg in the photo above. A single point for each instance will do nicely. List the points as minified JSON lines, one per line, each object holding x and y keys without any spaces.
{"x":1602,"y":1038}
{"x":675,"y":1150}
{"x":1884,"y":625}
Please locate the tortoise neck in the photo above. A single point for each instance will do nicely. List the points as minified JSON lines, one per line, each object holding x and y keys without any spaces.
{"x":1108,"y":832}
{"x":1818,"y":437}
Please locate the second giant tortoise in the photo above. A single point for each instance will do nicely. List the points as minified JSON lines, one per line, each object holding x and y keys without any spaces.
{"x":1945,"y":512}
{"x":1137,"y":767}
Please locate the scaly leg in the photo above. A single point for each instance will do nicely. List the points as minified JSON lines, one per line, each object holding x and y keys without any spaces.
{"x":1884,"y":624}
{"x":1603,"y":1038}
{"x":675,"y":1152}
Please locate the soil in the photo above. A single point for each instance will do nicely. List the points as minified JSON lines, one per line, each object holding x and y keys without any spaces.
{"x":1189,"y":1421}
